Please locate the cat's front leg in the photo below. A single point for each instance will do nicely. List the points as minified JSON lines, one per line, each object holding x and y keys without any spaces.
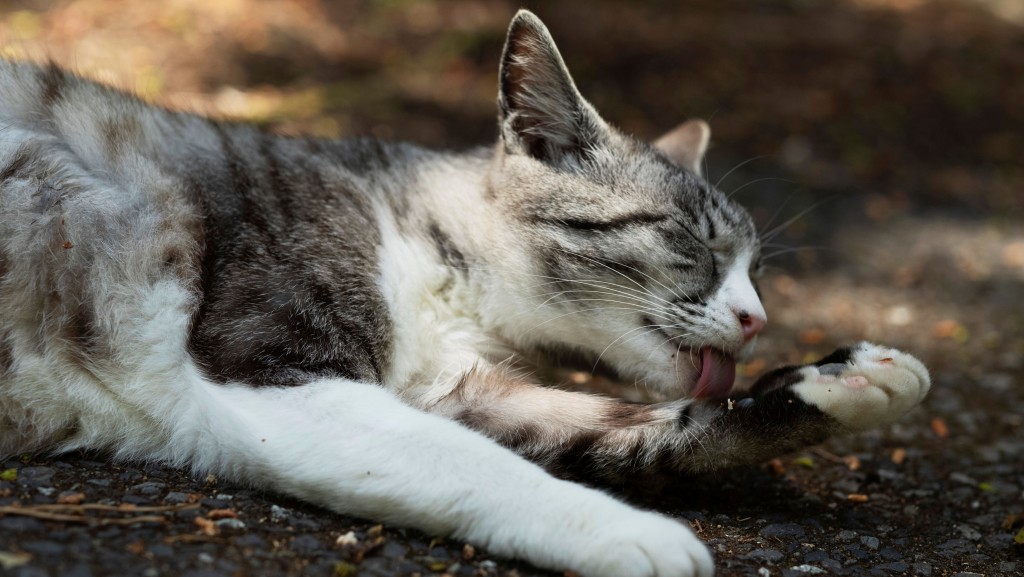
{"x":853,"y":389}
{"x":597,"y":438}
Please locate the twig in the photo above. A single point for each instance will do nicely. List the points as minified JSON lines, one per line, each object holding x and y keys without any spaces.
{"x":77,"y":513}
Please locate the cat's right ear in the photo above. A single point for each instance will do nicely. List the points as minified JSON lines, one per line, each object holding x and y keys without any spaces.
{"x":686,"y":144}
{"x":541,"y":112}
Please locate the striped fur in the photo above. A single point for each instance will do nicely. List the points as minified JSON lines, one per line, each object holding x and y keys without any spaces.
{"x":213,"y":295}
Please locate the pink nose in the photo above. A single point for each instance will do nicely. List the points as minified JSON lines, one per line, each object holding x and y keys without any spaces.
{"x":751,"y":324}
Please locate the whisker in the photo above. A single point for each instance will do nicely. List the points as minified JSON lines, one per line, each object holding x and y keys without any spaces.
{"x":738,"y":166}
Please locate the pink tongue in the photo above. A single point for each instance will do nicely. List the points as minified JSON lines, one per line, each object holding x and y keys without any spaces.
{"x":717,"y":373}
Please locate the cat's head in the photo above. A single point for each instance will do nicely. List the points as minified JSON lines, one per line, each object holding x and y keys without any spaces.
{"x":631,"y":255}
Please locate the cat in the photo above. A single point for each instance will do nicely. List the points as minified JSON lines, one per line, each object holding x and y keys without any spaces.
{"x":343,"y":321}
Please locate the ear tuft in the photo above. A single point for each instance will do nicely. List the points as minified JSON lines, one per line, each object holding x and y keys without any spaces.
{"x":541,"y":112}
{"x":686,"y":144}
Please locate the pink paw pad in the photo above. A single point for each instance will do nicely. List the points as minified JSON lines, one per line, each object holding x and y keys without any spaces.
{"x":856,"y":382}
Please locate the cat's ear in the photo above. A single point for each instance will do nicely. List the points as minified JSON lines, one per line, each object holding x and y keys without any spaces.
{"x":686,"y":144}
{"x":540,"y":111}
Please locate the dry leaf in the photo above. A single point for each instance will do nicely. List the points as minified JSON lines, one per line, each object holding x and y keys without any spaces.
{"x":70,"y":498}
{"x":940,"y":428}
{"x":898,"y":456}
{"x":222,"y":514}
{"x":857,"y":497}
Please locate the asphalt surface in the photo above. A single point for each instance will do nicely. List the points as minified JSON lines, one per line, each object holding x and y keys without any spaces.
{"x":889,"y":132}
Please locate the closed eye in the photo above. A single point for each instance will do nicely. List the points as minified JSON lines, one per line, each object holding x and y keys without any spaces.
{"x":596,"y":225}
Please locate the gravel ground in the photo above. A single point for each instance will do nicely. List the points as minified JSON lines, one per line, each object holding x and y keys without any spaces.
{"x":897,"y":125}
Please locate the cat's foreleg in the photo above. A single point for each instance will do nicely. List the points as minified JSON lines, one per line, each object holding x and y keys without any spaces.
{"x":357,"y":449}
{"x":592,"y":437}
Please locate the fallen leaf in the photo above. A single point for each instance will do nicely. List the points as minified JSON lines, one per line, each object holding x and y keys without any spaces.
{"x":136,"y":547}
{"x":940,"y":428}
{"x":857,"y":497}
{"x":221,"y":514}
{"x":468,"y":552}
{"x":10,"y":560}
{"x":776,"y":466}
{"x":1019,"y":537}
{"x":206,"y":526}
{"x":898,"y":455}
{"x":9,"y":475}
{"x":805,"y":462}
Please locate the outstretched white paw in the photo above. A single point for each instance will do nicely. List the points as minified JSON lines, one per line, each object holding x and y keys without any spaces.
{"x":875,"y":386}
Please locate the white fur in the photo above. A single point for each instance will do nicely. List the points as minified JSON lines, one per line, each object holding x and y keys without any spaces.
{"x":878,"y":388}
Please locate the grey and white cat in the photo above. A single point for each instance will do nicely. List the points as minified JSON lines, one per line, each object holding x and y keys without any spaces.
{"x":342,"y":320}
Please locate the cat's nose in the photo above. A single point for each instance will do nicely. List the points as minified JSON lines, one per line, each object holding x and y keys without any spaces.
{"x":751,"y":323}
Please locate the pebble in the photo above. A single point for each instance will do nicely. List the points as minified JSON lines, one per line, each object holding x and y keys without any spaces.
{"x":969,"y":532}
{"x":895,"y":567}
{"x":305,"y":544}
{"x":278,"y":513}
{"x":810,"y":569}
{"x":846,"y":535}
{"x":35,"y":476}
{"x":230,"y":525}
{"x":782,"y":530}
{"x":149,"y":488}
{"x":922,"y":569}
{"x":870,"y":542}
{"x":764,"y":555}
{"x":175,"y":497}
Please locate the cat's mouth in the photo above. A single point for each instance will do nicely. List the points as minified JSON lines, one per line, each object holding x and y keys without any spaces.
{"x":717,"y":372}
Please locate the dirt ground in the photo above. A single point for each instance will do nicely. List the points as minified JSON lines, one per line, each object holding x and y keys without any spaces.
{"x":883,"y":137}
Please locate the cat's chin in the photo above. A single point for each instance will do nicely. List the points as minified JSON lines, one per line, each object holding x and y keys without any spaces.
{"x":715,"y":375}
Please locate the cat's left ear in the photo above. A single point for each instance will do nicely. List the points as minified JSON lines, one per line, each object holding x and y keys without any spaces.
{"x":686,"y":144}
{"x":541,"y":112}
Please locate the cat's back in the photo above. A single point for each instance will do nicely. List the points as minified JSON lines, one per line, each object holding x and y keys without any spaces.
{"x":113,"y":211}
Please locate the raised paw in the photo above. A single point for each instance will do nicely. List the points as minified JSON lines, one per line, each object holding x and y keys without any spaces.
{"x":865,"y":386}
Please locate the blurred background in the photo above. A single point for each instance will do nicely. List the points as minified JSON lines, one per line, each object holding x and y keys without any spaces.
{"x":880,"y":142}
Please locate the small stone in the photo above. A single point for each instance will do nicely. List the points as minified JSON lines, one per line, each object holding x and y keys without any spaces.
{"x":816,"y":556}
{"x":149,"y":488}
{"x":870,"y":542}
{"x":890,"y":554}
{"x":810,"y":569}
{"x":230,"y":525}
{"x":962,"y":478}
{"x":969,"y":532}
{"x":346,"y":539}
{"x":895,"y":567}
{"x":764,"y":555}
{"x":204,"y":557}
{"x":278,"y":514}
{"x":782,"y":530}
{"x":174,"y":497}
{"x":305,"y":544}
{"x":763,"y":572}
{"x":35,"y":476}
{"x":922,"y":569}
{"x":846,"y":535}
